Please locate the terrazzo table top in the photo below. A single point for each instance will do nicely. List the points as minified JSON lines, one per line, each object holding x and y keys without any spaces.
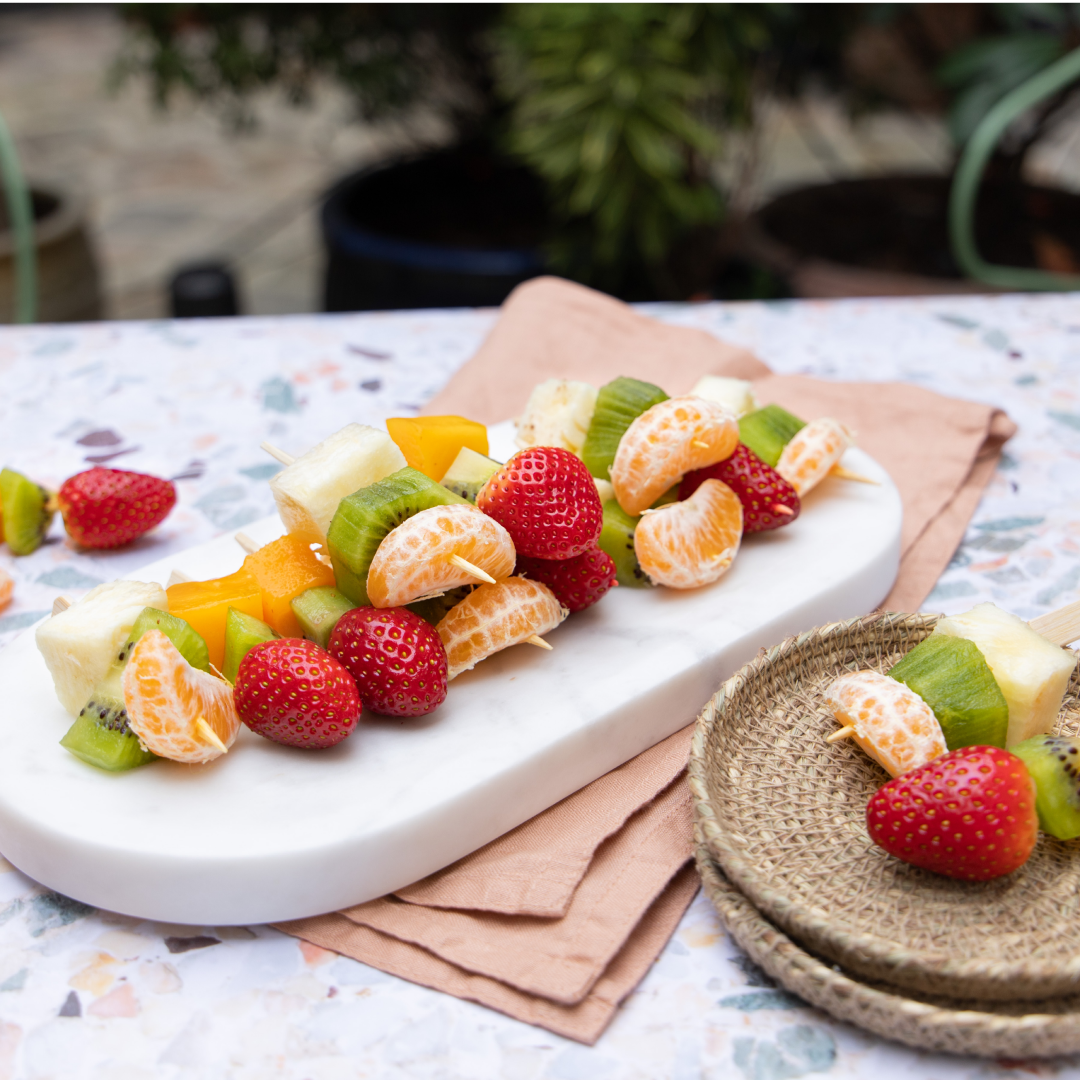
{"x":87,"y":994}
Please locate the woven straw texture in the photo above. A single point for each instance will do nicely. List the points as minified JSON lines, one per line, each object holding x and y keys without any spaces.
{"x":783,"y":813}
{"x":987,"y":1029}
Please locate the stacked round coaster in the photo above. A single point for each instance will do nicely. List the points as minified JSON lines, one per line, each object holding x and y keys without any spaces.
{"x":990,"y":968}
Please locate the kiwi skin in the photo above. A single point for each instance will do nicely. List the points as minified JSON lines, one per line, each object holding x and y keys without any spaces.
{"x":1054,"y":764}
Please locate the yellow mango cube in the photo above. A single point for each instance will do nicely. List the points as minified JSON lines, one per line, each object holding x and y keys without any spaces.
{"x":430,"y":443}
{"x":284,"y":569}
{"x":205,"y":606}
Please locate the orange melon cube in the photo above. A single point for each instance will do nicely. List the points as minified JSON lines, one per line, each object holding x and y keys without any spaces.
{"x":284,"y":568}
{"x":205,"y":605}
{"x":430,"y":443}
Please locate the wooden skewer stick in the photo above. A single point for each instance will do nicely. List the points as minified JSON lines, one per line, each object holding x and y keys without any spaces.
{"x":539,"y":641}
{"x":177,"y":577}
{"x":846,"y":474}
{"x":840,"y":733}
{"x":1061,"y":626}
{"x":475,"y":571}
{"x":246,"y":543}
{"x":699,"y":444}
{"x":278,"y":455}
{"x":209,"y":735}
{"x":215,"y":671}
{"x":61,"y":603}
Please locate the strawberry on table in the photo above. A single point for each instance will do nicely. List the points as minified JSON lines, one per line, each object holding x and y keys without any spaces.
{"x":578,"y":582}
{"x":106,"y":508}
{"x":396,"y":658}
{"x":546,"y":500}
{"x":768,"y":500}
{"x":969,"y":814}
{"x":294,"y":693}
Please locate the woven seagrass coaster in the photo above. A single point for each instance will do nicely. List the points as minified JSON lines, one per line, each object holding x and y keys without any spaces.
{"x":783,"y":814}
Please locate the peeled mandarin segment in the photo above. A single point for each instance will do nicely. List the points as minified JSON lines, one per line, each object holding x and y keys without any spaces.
{"x":430,"y":443}
{"x":893,"y":725}
{"x":7,"y":589}
{"x":494,"y":617}
{"x":812,"y":452}
{"x":414,"y":560}
{"x":284,"y":569}
{"x":205,"y":605}
{"x":667,"y":441}
{"x":166,"y":698}
{"x":693,"y":542}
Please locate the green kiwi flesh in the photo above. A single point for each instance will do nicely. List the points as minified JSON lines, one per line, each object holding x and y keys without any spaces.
{"x":767,"y":431}
{"x":617,"y":539}
{"x":242,"y":633}
{"x":469,"y":472}
{"x":1054,"y":764}
{"x":364,"y":518}
{"x":433,"y":609}
{"x":188,"y":641}
{"x":952,"y":676}
{"x":618,"y":404}
{"x":24,"y":507}
{"x":318,"y":611}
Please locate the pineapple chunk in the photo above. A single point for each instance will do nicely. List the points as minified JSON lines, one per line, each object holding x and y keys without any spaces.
{"x":82,"y":643}
{"x":308,"y":491}
{"x":1033,"y":674}
{"x":558,"y":413}
{"x":734,"y":394}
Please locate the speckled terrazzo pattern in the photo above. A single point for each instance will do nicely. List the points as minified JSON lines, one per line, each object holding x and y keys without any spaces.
{"x":85,"y":994}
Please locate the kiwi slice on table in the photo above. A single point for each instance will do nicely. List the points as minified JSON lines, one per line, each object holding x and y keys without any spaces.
{"x":469,"y":472}
{"x":318,"y":611}
{"x":100,"y":735}
{"x":767,"y":431}
{"x":26,"y":511}
{"x":242,"y":633}
{"x":617,"y":539}
{"x":363,"y":518}
{"x":952,"y":676}
{"x":435,"y":608}
{"x":1054,"y":764}
{"x":618,"y":404}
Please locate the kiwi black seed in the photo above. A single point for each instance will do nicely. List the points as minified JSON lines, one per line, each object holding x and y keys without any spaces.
{"x":1054,"y":764}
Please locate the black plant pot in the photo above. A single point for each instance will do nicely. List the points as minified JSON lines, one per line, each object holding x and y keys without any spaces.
{"x":455,"y":228}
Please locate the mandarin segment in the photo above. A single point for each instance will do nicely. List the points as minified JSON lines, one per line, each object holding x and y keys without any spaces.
{"x":494,"y":617}
{"x":7,"y":589}
{"x":166,"y":698}
{"x":693,"y":542}
{"x":417,"y":559}
{"x":812,"y":452}
{"x":666,"y":442}
{"x":892,"y":724}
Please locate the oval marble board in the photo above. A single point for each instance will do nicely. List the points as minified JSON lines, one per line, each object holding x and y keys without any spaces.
{"x":267,"y":833}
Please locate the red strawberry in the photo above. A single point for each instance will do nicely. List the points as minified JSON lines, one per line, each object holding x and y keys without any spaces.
{"x":292,"y":692}
{"x":546,"y":500}
{"x":396,"y":658}
{"x":968,"y":814}
{"x":578,"y":582}
{"x":768,"y":500}
{"x":104,"y":508}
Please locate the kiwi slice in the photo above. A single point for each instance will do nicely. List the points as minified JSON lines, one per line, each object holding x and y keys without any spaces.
{"x":318,"y":611}
{"x":25,"y":510}
{"x":1054,"y":764}
{"x":242,"y":633}
{"x":952,"y":676}
{"x":469,"y":472}
{"x":767,"y":431}
{"x":363,"y":518}
{"x":188,"y":641}
{"x":617,"y":539}
{"x":618,"y":404}
{"x":434,"y":608}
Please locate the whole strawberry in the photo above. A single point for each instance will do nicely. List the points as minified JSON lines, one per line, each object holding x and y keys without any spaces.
{"x":396,"y":658}
{"x":546,"y":500}
{"x":105,"y":508}
{"x":768,"y":500}
{"x":578,"y":582}
{"x":294,"y":693}
{"x":968,"y":814}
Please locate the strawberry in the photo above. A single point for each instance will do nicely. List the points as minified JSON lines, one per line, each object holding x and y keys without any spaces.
{"x":578,"y":582}
{"x":396,"y":658}
{"x":104,"y":508}
{"x":294,"y":693}
{"x":968,"y":814}
{"x":546,"y":500}
{"x":768,"y":500}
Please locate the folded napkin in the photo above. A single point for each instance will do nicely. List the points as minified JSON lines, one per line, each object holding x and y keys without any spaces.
{"x":557,"y":921}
